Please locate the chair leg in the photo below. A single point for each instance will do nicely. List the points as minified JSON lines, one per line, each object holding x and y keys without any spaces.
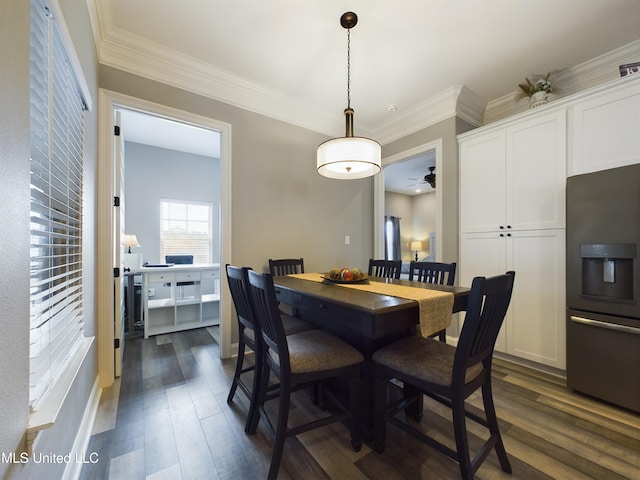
{"x":260,"y":396}
{"x":413,"y":410}
{"x":236,"y":375}
{"x":355,"y":395}
{"x":281,"y":430}
{"x":379,"y":391}
{"x":492,"y":420}
{"x":462,"y":441}
{"x":254,"y":415}
{"x":442,"y":336}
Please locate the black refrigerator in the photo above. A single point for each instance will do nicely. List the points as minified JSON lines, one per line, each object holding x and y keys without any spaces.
{"x":603,"y":285}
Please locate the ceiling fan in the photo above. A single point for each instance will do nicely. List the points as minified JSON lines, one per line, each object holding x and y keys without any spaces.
{"x":430,"y":178}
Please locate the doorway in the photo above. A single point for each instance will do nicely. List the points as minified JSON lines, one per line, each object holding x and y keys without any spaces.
{"x":110,"y":103}
{"x":433,"y":149}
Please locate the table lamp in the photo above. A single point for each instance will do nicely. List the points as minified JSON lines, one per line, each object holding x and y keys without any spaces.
{"x":133,"y":261}
{"x":416,"y":246}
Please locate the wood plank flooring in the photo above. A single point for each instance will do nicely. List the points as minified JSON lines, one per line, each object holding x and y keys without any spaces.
{"x":167,"y":418}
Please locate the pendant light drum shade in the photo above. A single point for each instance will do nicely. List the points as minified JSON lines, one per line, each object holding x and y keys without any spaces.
{"x":348,"y":158}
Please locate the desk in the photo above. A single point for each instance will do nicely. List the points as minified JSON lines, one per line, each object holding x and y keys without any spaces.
{"x":132,"y":320}
{"x":169,"y":307}
{"x":368,"y":321}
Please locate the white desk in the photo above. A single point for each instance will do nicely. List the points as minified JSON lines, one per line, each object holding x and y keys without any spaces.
{"x":169,"y":307}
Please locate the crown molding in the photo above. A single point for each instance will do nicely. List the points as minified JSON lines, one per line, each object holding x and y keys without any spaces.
{"x":594,"y":72}
{"x":133,"y":54}
{"x":123,"y":51}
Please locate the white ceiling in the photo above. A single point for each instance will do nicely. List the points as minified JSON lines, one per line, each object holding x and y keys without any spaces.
{"x":290,"y":55}
{"x":161,"y":132}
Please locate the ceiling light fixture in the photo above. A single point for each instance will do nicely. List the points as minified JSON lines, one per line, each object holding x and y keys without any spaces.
{"x":349,"y":157}
{"x":431,"y":177}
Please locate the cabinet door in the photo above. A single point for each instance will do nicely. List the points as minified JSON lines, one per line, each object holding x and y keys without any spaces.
{"x":482,"y":183}
{"x":605,"y":131}
{"x":536,"y":173}
{"x":536,"y":327}
{"x":483,"y":254}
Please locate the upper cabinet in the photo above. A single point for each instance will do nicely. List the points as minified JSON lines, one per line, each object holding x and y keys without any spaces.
{"x":605,"y":129}
{"x":513,"y":177}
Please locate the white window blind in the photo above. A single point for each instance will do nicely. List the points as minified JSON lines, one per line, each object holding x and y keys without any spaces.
{"x":57,"y":142}
{"x":186,"y":229}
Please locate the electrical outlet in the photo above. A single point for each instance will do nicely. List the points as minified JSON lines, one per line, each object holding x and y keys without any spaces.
{"x":347,"y":240}
{"x":152,"y":292}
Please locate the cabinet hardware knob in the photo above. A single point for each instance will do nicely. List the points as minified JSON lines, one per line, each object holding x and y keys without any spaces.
{"x":501,"y":227}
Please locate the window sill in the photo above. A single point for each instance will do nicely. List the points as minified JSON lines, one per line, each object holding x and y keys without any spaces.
{"x":49,"y":406}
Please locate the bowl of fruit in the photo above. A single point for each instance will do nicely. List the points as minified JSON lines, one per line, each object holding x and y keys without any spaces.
{"x":345,"y":275}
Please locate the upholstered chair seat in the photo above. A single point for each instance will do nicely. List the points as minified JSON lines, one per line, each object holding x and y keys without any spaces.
{"x":425,"y":359}
{"x":317,"y":350}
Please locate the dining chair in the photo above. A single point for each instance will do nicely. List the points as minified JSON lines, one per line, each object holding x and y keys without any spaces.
{"x":433,"y":272}
{"x":249,"y":337}
{"x":449,"y":375}
{"x":385,"y":268}
{"x":297,"y":361}
{"x":286,"y":266}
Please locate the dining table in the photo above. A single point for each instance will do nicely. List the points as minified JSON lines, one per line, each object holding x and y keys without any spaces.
{"x":369,"y":314}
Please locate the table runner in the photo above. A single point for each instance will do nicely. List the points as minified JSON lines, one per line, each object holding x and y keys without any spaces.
{"x":435,"y":307}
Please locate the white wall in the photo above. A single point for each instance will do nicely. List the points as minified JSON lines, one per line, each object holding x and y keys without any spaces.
{"x":417,"y":219}
{"x":424,"y":220}
{"x":152,"y":174}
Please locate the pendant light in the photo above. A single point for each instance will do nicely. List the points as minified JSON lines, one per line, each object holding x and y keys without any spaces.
{"x":348,"y":157}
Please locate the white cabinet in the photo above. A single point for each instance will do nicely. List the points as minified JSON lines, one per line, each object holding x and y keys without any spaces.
{"x":513,"y":177}
{"x":180,"y":298}
{"x":605,"y":130}
{"x":512,"y":217}
{"x":534,"y":328}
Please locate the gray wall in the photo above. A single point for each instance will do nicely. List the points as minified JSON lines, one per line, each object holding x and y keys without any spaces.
{"x":152,"y":174}
{"x":447,"y":130}
{"x":14,"y":283}
{"x":14,"y":195}
{"x":280,"y":206}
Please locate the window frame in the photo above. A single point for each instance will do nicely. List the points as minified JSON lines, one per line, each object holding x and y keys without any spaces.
{"x":58,"y":101}
{"x":200,"y":255}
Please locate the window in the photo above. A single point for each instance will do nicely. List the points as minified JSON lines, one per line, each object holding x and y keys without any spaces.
{"x":186,"y":228}
{"x":392,"y":238}
{"x":57,"y":141}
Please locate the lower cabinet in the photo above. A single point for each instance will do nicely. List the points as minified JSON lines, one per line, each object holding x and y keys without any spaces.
{"x":180,"y":298}
{"x":534,"y":328}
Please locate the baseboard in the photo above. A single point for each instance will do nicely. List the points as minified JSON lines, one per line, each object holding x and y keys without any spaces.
{"x":81,"y":443}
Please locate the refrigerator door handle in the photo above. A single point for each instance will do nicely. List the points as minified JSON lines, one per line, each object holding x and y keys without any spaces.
{"x":606,"y":325}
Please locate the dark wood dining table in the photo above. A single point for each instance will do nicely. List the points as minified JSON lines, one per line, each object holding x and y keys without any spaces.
{"x":366,"y":320}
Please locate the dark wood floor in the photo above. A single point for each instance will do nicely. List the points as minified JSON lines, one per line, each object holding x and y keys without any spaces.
{"x":168,"y":419}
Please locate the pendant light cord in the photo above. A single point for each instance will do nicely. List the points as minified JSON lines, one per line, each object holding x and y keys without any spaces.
{"x":348,"y":68}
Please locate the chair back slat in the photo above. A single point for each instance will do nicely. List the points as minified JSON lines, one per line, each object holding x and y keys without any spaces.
{"x":286,"y":266}
{"x":385,"y":268}
{"x":433,"y":272}
{"x":487,"y":306}
{"x":265,"y":306}
{"x":237,"y":280}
